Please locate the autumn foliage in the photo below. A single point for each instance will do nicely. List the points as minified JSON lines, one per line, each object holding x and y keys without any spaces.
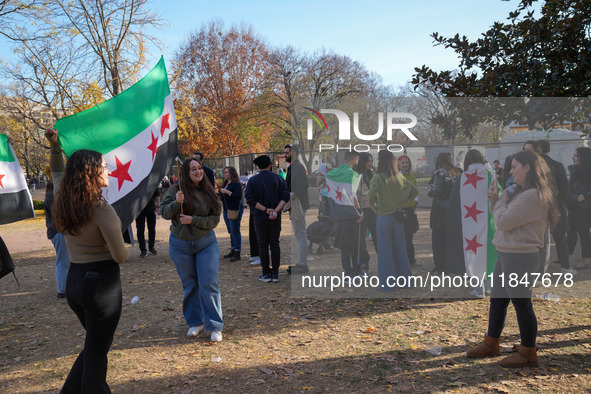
{"x":221,"y":83}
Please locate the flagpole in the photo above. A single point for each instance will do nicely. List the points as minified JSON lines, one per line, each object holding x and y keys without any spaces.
{"x":178,"y":175}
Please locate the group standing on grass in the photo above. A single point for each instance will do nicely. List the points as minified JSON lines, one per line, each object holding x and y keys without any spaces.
{"x":536,"y":201}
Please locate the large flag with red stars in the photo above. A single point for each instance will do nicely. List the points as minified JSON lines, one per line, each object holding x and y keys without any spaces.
{"x":478,"y":226}
{"x":136,"y":133}
{"x":341,"y":187}
{"x":15,"y":200}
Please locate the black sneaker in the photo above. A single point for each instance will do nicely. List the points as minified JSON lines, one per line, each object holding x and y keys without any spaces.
{"x":297,"y":269}
{"x":61,"y":295}
{"x":274,"y":278}
{"x":229,"y":254}
{"x":265,"y":278}
{"x":154,"y":251}
{"x":143,"y":254}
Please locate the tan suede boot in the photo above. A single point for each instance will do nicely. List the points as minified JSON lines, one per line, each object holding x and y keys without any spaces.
{"x":488,"y":347}
{"x":525,"y":357}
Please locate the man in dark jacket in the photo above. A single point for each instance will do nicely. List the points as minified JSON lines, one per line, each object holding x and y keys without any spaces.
{"x":297,"y":183}
{"x":267,"y":194}
{"x":563,"y":190}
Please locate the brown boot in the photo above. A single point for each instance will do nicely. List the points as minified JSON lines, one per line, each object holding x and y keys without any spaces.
{"x":488,"y":347}
{"x":525,"y":357}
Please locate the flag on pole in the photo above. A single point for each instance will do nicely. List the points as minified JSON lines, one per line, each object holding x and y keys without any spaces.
{"x":15,"y":200}
{"x":478,"y":226}
{"x":136,"y":134}
{"x":341,"y":187}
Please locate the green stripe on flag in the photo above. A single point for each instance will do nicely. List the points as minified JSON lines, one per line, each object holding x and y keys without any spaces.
{"x":343,"y":174}
{"x":491,"y":250}
{"x":5,"y":152}
{"x":114,"y":122}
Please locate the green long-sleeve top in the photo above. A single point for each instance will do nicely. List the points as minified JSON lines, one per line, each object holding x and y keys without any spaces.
{"x":203,"y":221}
{"x":390,"y":194}
{"x":411,"y":178}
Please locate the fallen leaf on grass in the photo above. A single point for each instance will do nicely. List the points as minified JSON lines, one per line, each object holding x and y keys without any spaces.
{"x":167,"y":309}
{"x":458,"y":384}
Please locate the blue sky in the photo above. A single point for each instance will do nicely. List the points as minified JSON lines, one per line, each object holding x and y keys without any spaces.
{"x":389,"y":37}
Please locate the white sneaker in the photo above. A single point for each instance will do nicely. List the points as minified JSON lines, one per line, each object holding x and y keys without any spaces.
{"x":194,"y":331}
{"x":256,"y":261}
{"x":216,"y":336}
{"x":253,"y":258}
{"x":568,"y":271}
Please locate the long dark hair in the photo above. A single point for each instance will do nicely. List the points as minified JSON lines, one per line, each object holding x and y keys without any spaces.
{"x":443,"y":160}
{"x":506,"y":169}
{"x":387,"y":164}
{"x":190,"y":190}
{"x":582,"y":172}
{"x":80,"y":191}
{"x":473,"y":156}
{"x":539,"y":176}
{"x":363,"y":160}
{"x":233,"y":176}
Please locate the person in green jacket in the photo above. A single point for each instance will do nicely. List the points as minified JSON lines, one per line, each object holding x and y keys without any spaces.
{"x":389,"y":192}
{"x":194,"y":210}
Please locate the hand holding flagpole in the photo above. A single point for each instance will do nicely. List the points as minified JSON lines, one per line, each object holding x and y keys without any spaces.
{"x":180,"y":192}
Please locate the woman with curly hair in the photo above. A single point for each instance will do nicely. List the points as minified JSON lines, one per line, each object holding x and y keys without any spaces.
{"x":194,"y":209}
{"x":231,"y":195}
{"x":579,"y":205}
{"x":522,"y":217}
{"x":93,"y":235}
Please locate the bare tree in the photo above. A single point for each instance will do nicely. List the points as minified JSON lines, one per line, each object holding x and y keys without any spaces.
{"x":319,"y":80}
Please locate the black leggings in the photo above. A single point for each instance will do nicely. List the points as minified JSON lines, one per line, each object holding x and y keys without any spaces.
{"x":580,"y":222}
{"x":94,"y":294}
{"x":521,"y":265}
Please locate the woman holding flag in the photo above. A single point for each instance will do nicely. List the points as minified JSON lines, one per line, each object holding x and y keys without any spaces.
{"x":93,"y":234}
{"x":522,"y":218}
{"x":194,"y":209}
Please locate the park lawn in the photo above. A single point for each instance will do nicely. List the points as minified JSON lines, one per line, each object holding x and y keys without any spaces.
{"x":276,"y":343}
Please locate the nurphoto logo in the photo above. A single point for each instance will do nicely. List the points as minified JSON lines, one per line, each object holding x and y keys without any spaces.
{"x":393,"y":124}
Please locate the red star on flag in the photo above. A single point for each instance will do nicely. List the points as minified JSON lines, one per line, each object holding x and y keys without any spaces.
{"x":164,"y":124}
{"x":122,"y":172}
{"x":472,"y":212}
{"x":473,"y":245}
{"x":153,"y":146}
{"x":339,"y":195}
{"x":472,"y":178}
{"x":327,"y":188}
{"x":1,"y":185}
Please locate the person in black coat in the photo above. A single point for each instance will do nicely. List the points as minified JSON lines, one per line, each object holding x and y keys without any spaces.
{"x":562,"y":189}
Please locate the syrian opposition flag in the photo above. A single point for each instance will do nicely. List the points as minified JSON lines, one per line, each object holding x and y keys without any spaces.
{"x":136,"y":133}
{"x":15,"y":200}
{"x":341,"y":186}
{"x":478,"y":226}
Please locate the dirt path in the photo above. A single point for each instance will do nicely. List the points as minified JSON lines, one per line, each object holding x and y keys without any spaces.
{"x":274,"y":342}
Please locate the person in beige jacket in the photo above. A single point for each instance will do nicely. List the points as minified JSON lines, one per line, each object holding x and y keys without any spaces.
{"x":521,"y":215}
{"x":92,"y":231}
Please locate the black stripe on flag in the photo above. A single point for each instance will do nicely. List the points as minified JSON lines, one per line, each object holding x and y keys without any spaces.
{"x":15,"y":206}
{"x":129,"y":206}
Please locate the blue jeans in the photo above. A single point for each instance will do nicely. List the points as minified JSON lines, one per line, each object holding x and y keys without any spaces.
{"x":233,"y":227}
{"x":392,"y":256}
{"x":62,"y":261}
{"x":299,"y":230}
{"x":197,"y":263}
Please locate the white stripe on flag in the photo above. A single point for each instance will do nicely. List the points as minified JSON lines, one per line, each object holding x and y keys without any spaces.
{"x":138,"y":155}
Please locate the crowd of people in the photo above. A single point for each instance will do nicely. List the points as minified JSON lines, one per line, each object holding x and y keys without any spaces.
{"x":528,"y":200}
